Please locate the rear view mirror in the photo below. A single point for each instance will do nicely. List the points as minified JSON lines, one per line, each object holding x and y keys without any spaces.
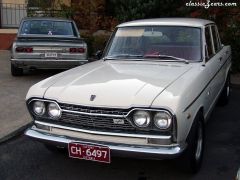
{"x":98,"y":54}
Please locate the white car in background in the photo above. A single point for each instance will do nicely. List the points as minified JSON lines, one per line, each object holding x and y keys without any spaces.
{"x":47,"y":43}
{"x":149,"y":96}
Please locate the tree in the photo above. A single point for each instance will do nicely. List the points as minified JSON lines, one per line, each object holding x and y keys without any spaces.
{"x":126,"y":10}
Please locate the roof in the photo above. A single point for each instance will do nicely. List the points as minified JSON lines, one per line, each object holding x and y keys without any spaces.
{"x":46,"y":18}
{"x":194,"y":22}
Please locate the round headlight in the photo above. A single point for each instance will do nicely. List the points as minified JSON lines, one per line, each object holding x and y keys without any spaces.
{"x":162,"y":120}
{"x":53,"y":110}
{"x":39,"y":108}
{"x":141,"y":118}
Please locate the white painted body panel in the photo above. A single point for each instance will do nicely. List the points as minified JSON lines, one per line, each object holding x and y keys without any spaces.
{"x":178,"y":87}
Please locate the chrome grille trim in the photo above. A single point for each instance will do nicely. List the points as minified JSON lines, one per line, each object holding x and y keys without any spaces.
{"x":95,"y":122}
{"x":93,"y":114}
{"x":103,"y":132}
{"x":94,"y":111}
{"x":95,"y":117}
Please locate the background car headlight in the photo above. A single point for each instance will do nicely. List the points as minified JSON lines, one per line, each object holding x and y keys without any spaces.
{"x":141,"y":118}
{"x":162,"y":120}
{"x":53,"y":110}
{"x":39,"y":108}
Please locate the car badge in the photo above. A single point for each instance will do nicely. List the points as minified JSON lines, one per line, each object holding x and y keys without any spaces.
{"x":92,"y":97}
{"x":118,"y":121}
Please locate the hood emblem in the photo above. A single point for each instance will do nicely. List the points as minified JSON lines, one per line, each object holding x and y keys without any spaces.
{"x":92,"y":97}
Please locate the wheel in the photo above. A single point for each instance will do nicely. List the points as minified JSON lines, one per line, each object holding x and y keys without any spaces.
{"x":224,"y":97}
{"x":16,"y":71}
{"x":194,"y":153}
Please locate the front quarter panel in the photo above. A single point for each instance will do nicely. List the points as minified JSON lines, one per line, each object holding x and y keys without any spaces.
{"x":184,"y":99}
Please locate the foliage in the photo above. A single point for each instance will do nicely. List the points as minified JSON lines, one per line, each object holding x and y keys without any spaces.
{"x":53,"y":8}
{"x":126,"y":10}
{"x":94,"y":43}
{"x":228,"y":22}
{"x":232,"y":37}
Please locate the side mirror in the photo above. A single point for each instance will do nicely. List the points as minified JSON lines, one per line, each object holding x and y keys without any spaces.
{"x":99,"y":54}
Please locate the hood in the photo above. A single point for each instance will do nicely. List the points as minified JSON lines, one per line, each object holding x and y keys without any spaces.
{"x":115,"y":83}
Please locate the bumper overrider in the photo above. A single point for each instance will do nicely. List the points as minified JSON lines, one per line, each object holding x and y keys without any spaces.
{"x":128,"y":140}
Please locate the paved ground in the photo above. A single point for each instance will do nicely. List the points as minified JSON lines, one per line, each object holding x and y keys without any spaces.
{"x":13,"y":90}
{"x":22,"y":158}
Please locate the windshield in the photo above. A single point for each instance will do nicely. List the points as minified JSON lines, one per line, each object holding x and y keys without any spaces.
{"x":161,"y":42}
{"x":47,"y":27}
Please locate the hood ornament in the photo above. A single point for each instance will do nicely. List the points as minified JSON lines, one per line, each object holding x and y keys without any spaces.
{"x":92,"y":97}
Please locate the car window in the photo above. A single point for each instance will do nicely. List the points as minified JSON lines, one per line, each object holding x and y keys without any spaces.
{"x":149,"y":41}
{"x":47,"y":27}
{"x":216,"y":41}
{"x":209,"y":47}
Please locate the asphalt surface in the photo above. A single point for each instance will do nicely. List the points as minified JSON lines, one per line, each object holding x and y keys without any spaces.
{"x":13,"y":90}
{"x":23,"y":158}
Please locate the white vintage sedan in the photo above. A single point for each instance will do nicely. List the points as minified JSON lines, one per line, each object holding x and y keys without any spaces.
{"x":149,"y":96}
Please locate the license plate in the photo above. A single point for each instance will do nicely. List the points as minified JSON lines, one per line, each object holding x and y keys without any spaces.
{"x":50,"y":55}
{"x":89,"y":152}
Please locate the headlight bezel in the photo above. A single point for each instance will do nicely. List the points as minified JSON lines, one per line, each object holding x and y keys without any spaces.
{"x":169,"y":120}
{"x":46,"y":114}
{"x":148,"y":119}
{"x":152,"y":112}
{"x":59,"y":109}
{"x":43,"y":108}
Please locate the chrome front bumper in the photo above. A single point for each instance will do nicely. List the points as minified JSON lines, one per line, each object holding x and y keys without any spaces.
{"x":117,"y":148}
{"x":48,"y":63}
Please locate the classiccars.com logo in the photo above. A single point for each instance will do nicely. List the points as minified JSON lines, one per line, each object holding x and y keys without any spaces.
{"x":206,"y":4}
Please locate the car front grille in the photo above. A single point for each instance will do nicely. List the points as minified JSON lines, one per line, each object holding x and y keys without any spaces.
{"x":95,"y":118}
{"x":96,"y":122}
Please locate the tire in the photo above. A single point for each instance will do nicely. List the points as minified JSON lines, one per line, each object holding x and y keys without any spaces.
{"x":16,"y":71}
{"x":225,"y":94}
{"x":196,"y":139}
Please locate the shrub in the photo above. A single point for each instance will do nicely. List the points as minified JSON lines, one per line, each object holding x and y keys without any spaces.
{"x":97,"y":42}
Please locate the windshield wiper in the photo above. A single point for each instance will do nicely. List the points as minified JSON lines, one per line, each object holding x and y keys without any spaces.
{"x":163,"y":56}
{"x":123,"y":56}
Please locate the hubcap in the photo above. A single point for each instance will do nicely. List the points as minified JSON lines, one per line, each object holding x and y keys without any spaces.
{"x":199,"y":142}
{"x":228,"y":90}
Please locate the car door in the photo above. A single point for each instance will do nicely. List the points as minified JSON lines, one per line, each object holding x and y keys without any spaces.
{"x":213,"y":66}
{"x":221,"y":56}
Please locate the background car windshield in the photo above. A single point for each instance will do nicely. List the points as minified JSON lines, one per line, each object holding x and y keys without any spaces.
{"x":177,"y":41}
{"x":47,"y":27}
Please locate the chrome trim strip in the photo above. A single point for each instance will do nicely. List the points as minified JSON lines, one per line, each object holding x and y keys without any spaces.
{"x":149,"y":109}
{"x":94,"y":114}
{"x":104,"y":133}
{"x":171,"y":150}
{"x":120,"y":116}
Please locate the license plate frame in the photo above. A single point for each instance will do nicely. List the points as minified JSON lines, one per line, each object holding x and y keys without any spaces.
{"x":89,"y":152}
{"x":51,"y":55}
